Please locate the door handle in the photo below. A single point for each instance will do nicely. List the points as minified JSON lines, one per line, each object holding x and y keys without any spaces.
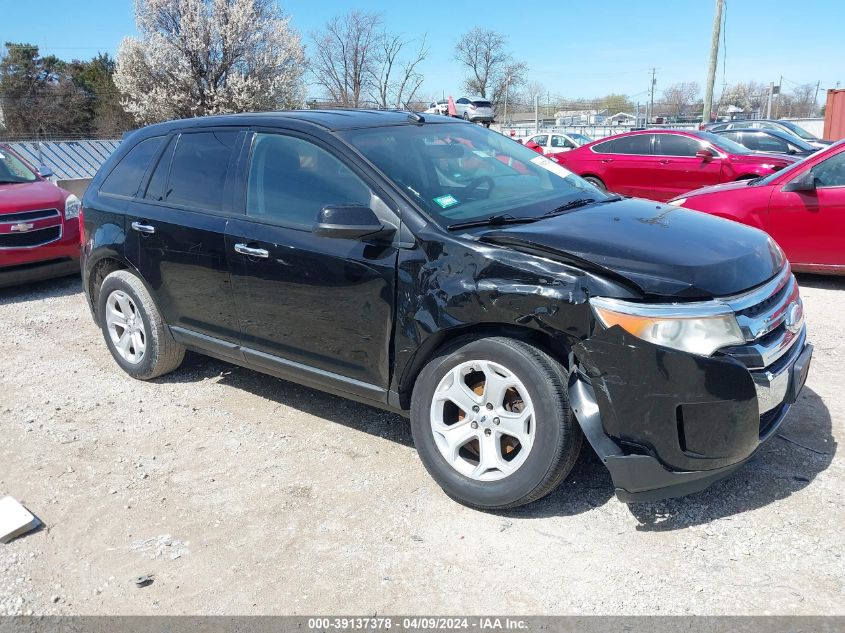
{"x":249,"y":251}
{"x":607,"y":160}
{"x":146,"y":229}
{"x":664,"y":162}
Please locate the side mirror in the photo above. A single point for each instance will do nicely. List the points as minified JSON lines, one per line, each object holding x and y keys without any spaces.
{"x":45,"y":172}
{"x":349,"y":222}
{"x":705,"y":154}
{"x":804,"y":182}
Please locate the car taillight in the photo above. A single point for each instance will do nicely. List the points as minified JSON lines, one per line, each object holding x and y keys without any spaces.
{"x":472,"y":106}
{"x":81,"y":224}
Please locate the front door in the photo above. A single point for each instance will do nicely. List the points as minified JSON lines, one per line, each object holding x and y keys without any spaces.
{"x":679,"y":169}
{"x":810,"y":225}
{"x":175,"y":233}
{"x":323,"y":303}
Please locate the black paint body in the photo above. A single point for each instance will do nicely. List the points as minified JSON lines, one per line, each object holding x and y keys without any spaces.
{"x":360,"y":317}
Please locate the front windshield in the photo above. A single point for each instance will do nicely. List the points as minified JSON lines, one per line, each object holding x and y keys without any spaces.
{"x":725,"y":144}
{"x":458,"y":172}
{"x":797,"y":130}
{"x":14,"y":170}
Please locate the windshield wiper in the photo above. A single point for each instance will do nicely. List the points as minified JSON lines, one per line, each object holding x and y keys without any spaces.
{"x":577,"y":204}
{"x":493,"y":220}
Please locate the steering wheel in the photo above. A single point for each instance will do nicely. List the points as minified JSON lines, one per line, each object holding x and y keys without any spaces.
{"x":476,"y":183}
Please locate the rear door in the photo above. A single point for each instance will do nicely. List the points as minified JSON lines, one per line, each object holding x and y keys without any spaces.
{"x":810,"y":225}
{"x":626,"y":164}
{"x":678,"y":168}
{"x":175,"y":232}
{"x":305,"y":301}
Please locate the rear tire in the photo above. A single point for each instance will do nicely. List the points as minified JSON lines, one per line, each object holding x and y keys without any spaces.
{"x":134,"y":330}
{"x":596,"y":182}
{"x":521,"y":447}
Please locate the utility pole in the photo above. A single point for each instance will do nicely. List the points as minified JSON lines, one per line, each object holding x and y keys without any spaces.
{"x":777,"y":102}
{"x":536,"y":114}
{"x":714,"y":59}
{"x":651,"y":102}
{"x":815,"y":99}
{"x":507,"y":90}
{"x":769,"y":102}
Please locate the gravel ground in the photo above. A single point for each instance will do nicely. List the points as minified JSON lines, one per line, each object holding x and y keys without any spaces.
{"x":243,"y":494}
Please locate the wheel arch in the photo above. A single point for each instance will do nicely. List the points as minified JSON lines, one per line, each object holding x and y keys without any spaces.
{"x":553,"y":346}
{"x":96,"y":273}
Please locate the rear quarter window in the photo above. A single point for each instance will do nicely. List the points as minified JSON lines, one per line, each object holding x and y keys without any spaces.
{"x":125,"y":178}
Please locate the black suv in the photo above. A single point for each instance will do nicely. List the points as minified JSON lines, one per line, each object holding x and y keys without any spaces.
{"x":438,"y":269}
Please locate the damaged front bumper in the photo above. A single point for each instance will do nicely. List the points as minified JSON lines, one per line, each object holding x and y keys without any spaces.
{"x":668,"y":423}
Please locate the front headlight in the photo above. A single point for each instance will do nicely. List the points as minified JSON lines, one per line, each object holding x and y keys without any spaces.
{"x":72,"y":207}
{"x":694,"y":328}
{"x":678,"y":202}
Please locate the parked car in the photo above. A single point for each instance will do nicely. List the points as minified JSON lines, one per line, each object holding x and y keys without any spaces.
{"x":801,"y":207}
{"x":768,"y":124}
{"x":438,"y":107}
{"x":440,"y":270}
{"x":661,"y":164}
{"x":39,"y":225}
{"x":474,"y":110}
{"x":770,"y":141}
{"x":557,"y":142}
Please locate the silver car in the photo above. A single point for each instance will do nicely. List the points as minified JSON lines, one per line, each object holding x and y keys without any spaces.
{"x":475,"y":110}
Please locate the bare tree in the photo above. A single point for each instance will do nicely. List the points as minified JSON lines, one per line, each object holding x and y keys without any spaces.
{"x":492,"y":69}
{"x":750,"y":96}
{"x":803,"y":101}
{"x":198,"y":57}
{"x":680,"y":96}
{"x":395,"y":82}
{"x":346,"y":55}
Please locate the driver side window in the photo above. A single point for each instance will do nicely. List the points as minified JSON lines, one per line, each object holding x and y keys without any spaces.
{"x":291,"y":180}
{"x":831,"y":173}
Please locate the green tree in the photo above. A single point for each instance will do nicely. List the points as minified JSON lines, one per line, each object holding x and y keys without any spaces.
{"x":615,"y":103}
{"x":38,"y":96}
{"x":104,"y":113}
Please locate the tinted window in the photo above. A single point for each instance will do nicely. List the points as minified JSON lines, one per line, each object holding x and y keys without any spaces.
{"x":463,"y":100}
{"x":125,"y":178}
{"x":733,"y":136}
{"x":481,"y":104}
{"x":290,"y":180}
{"x":158,"y":181}
{"x":677,"y":145}
{"x":198,"y":169}
{"x":636,"y":144}
{"x":831,"y":172}
{"x":765,"y":143}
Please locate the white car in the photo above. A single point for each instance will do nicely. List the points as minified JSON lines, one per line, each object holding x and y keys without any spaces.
{"x":475,"y":110}
{"x":438,"y":107}
{"x":558,"y":142}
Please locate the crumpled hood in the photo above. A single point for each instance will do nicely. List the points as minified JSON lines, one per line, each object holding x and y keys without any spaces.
{"x":664,"y":250}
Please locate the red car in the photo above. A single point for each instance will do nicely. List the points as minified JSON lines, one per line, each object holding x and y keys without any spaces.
{"x":801,"y":207}
{"x":661,"y":164}
{"x":39,"y":224}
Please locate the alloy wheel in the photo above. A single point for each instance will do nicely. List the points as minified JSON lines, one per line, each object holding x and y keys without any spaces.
{"x":482,"y":419}
{"x":126,"y":327}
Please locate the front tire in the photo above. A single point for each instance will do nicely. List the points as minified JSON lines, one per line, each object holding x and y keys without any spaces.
{"x":491,"y":422}
{"x":134,"y":330}
{"x":596,"y":182}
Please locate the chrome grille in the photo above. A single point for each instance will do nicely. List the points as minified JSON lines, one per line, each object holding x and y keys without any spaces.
{"x":30,"y":239}
{"x":28,"y":216}
{"x":762,"y":316}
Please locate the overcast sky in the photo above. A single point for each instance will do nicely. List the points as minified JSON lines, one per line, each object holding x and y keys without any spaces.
{"x":576,"y":49}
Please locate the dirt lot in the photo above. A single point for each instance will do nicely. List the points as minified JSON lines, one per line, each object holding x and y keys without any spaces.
{"x":245,"y":494}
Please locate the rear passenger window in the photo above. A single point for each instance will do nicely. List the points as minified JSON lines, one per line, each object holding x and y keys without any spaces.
{"x":125,"y":178}
{"x":158,"y":181}
{"x":636,"y":144}
{"x":676,"y":145}
{"x":198,"y":170}
{"x":291,"y":180}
